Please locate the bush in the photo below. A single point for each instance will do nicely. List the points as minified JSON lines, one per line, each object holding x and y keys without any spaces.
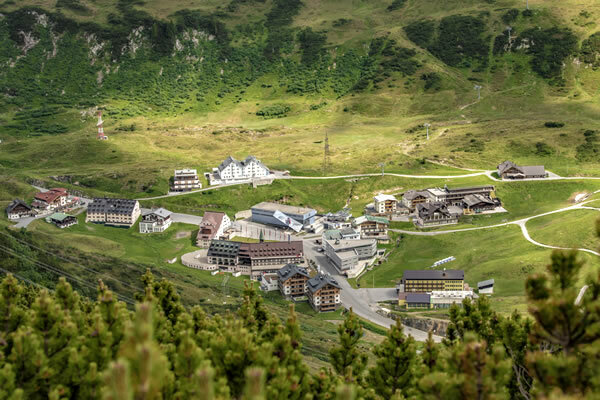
{"x":590,"y":49}
{"x":433,"y":81}
{"x":543,"y":149}
{"x":461,"y":41}
{"x":590,"y":149}
{"x":552,"y":124}
{"x":550,"y":48}
{"x":396,"y":4}
{"x":510,"y":16}
{"x":311,"y":45}
{"x":420,"y":32}
{"x":274,"y":111}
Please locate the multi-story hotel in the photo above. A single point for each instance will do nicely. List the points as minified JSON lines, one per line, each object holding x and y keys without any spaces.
{"x":323,"y":293}
{"x":426,"y":281}
{"x":254,"y":259}
{"x":185,"y":180}
{"x":291,"y":280}
{"x":115,"y":212}
{"x":234,"y":171}
{"x":157,"y":220}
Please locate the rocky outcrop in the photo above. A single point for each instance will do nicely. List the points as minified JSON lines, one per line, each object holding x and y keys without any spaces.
{"x":437,"y":326}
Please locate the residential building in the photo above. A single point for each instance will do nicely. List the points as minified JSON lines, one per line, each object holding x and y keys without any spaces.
{"x":456,"y":196}
{"x":418,"y":300}
{"x":323,"y":293}
{"x":371,"y":227}
{"x":292,"y":280}
{"x":411,"y":198}
{"x":283,"y":216}
{"x":18,"y":209}
{"x":346,"y":254}
{"x":445,"y":299}
{"x":423,"y":281}
{"x":213,"y":226}
{"x":435,"y":214}
{"x":477,"y":203}
{"x":385,"y":204}
{"x":341,"y":234}
{"x":338,"y":220}
{"x":157,"y":220}
{"x":62,"y":220}
{"x":269,"y":283}
{"x":486,"y":287}
{"x":114,"y":212}
{"x":234,"y":171}
{"x":254,"y":259}
{"x":185,"y":180}
{"x":510,"y":170}
{"x":51,"y":199}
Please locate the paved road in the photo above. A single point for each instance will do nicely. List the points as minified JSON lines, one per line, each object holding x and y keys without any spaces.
{"x":521,"y":223}
{"x":362,"y":301}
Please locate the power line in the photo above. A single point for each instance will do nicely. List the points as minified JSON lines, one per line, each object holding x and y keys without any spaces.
{"x":76,"y":263}
{"x":57,"y":271}
{"x":23,"y":278}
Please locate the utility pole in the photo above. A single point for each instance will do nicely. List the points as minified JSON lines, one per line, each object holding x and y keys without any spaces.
{"x":478,"y":88}
{"x":382,"y":165}
{"x":509,"y":28}
{"x":527,"y":4}
{"x":427,"y":125}
{"x":326,"y":158}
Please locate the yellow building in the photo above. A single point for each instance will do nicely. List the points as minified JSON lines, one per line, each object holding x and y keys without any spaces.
{"x":424,"y":281}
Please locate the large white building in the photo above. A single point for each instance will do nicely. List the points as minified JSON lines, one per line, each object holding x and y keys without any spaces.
{"x":234,"y":171}
{"x":385,"y":204}
{"x":346,"y":255}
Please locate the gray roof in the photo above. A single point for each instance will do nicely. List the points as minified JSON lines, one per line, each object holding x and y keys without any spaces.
{"x":412,"y":194}
{"x":348,"y":231}
{"x":223,"y":248}
{"x":506,"y":165}
{"x":320,"y":281}
{"x":247,"y":160}
{"x":426,"y":210}
{"x":419,"y":298}
{"x":429,"y":274}
{"x":161,"y":212}
{"x":489,"y":282}
{"x":284,"y":208}
{"x":15,"y":203}
{"x":342,"y":215}
{"x":290,"y":270}
{"x":112,"y":206}
{"x":533,"y":170}
{"x":473,"y":199}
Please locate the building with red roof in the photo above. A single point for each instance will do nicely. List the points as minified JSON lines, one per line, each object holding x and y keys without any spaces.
{"x":51,"y":199}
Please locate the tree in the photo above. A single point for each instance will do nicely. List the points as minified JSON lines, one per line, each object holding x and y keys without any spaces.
{"x":347,"y":360}
{"x":566,"y":328}
{"x":395,"y":371}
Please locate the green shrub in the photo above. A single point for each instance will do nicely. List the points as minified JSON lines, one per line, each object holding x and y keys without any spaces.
{"x":510,"y":16}
{"x":433,"y":81}
{"x":420,"y":32}
{"x":274,"y":111}
{"x":590,"y":49}
{"x":396,"y":4}
{"x":461,"y":41}
{"x":554,"y":124}
{"x":543,"y":149}
{"x":311,"y":45}
{"x":590,"y":149}
{"x":549,"y":47}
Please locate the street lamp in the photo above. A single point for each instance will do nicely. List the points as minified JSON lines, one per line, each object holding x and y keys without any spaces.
{"x":427,"y":125}
{"x":382,"y":165}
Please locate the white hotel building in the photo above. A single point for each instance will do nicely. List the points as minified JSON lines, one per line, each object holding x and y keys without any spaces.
{"x":234,"y":171}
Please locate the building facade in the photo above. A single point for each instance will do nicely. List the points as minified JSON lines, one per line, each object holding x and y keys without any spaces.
{"x":426,"y":281}
{"x":254,"y":259}
{"x":51,"y":199}
{"x":435,"y":214}
{"x":323,"y":293}
{"x":155,"y":221}
{"x":185,"y":180}
{"x":411,"y":198}
{"x":445,"y":299}
{"x":283,"y":216}
{"x":371,"y":227}
{"x":114,"y":212}
{"x":18,"y":209}
{"x":510,"y":170}
{"x":476,"y":203}
{"x":346,"y":254}
{"x":292,"y":280}
{"x":385,"y":204}
{"x":62,"y":220}
{"x":213,"y":226}
{"x":486,"y":287}
{"x":234,"y":171}
{"x":455,"y":197}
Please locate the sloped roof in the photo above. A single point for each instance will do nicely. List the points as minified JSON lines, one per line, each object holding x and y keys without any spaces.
{"x":15,"y":203}
{"x":413,"y":194}
{"x":212,"y":218}
{"x":489,"y":282}
{"x":364,"y":218}
{"x":290,"y":270}
{"x":533,"y":170}
{"x":505,"y":166}
{"x":59,"y":217}
{"x":224,"y":248}
{"x":246,"y":161}
{"x":473,"y":199}
{"x":51,"y":195}
{"x":161,"y":212}
{"x":385,"y":197}
{"x":425,"y":210}
{"x":272,"y":249}
{"x":418,"y":298}
{"x":319,"y":281}
{"x":112,"y":206}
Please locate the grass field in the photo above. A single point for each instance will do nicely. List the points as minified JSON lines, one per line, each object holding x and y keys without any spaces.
{"x":575,"y":228}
